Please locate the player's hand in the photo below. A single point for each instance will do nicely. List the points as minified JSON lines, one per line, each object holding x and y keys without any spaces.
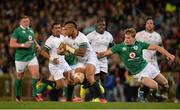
{"x":171,"y":58}
{"x":26,"y":45}
{"x":37,"y":47}
{"x":62,"y":46}
{"x":60,"y":51}
{"x":56,"y":61}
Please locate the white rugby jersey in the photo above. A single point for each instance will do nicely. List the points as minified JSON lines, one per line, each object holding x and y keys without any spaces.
{"x":52,"y":43}
{"x":75,"y":43}
{"x":151,"y":38}
{"x":100,"y":42}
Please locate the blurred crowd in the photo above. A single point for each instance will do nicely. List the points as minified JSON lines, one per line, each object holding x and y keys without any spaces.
{"x":120,"y":14}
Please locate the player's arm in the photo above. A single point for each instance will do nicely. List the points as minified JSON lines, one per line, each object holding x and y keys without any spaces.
{"x":162,"y":51}
{"x":80,"y":51}
{"x":14,"y":44}
{"x":105,"y":53}
{"x":111,"y":44}
{"x":45,"y":54}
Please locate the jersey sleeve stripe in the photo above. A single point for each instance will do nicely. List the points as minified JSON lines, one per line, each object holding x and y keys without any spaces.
{"x":47,"y":47}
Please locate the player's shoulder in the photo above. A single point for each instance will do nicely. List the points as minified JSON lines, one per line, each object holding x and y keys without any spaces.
{"x":157,"y":34}
{"x":137,"y":42}
{"x":107,"y":33}
{"x":141,"y":32}
{"x":91,"y":33}
{"x":81,"y":35}
{"x":18,"y":29}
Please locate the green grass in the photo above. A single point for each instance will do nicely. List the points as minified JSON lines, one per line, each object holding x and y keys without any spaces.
{"x":86,"y":105}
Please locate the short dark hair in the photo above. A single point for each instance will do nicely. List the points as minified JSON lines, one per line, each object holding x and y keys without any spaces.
{"x":71,"y":22}
{"x":132,"y":31}
{"x":55,"y":23}
{"x":148,"y":18}
{"x":100,"y":20}
{"x":23,"y":16}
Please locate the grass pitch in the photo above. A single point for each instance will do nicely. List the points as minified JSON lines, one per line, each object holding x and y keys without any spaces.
{"x":86,"y":105}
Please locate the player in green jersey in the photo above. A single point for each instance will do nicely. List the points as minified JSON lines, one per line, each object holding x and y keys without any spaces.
{"x":130,"y":52}
{"x":23,"y":41}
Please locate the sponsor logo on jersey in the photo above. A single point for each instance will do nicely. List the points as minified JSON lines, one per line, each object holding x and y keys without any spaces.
{"x":30,"y":38}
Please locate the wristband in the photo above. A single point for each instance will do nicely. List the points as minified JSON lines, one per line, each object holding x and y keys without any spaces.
{"x":22,"y":45}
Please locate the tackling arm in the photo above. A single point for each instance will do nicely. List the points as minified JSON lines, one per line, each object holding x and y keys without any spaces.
{"x":162,"y":51}
{"x":104,"y":54}
{"x":79,"y":52}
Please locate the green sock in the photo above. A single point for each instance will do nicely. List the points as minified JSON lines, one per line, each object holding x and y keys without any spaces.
{"x":17,"y":87}
{"x":86,"y":84}
{"x":70,"y":89}
{"x":34,"y":91}
{"x":65,"y":91}
{"x":42,"y":88}
{"x":97,"y":90}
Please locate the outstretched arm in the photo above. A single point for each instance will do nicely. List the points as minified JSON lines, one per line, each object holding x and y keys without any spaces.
{"x":104,"y":54}
{"x":45,"y":54}
{"x":162,"y":51}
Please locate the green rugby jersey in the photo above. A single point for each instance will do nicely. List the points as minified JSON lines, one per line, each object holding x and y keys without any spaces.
{"x":71,"y":59}
{"x":131,"y":55}
{"x":23,"y":35}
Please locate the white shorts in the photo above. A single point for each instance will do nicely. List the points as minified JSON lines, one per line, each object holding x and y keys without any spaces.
{"x":58,"y":70}
{"x":103,"y":64}
{"x":149,"y":71}
{"x":20,"y":65}
{"x":91,"y":60}
{"x":155,"y":64}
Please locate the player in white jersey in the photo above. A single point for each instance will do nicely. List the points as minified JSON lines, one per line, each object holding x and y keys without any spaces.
{"x":78,"y":44}
{"x":59,"y":68}
{"x":100,"y":41}
{"x":150,"y":36}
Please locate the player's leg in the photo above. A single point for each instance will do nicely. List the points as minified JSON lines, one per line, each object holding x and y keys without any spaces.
{"x":79,"y":78}
{"x":164,"y":83}
{"x":99,"y":77}
{"x":20,"y":66}
{"x":89,"y":73}
{"x":33,"y":67}
{"x":70,"y":86}
{"x":18,"y":86}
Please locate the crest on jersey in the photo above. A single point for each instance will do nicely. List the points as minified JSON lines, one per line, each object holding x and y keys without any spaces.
{"x":132,"y":55}
{"x":29,"y":38}
{"x":23,"y":31}
{"x":135,"y":47}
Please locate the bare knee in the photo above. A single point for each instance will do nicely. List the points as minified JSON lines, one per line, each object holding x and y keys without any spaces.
{"x":90,"y":79}
{"x":155,"y":86}
{"x":19,"y":75}
{"x":149,"y":83}
{"x":61,"y":83}
{"x":90,"y":71}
